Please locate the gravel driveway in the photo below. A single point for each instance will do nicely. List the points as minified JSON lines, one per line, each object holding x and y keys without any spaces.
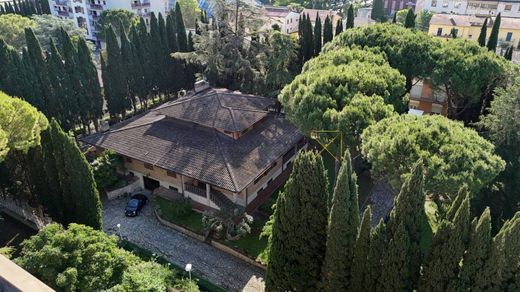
{"x":208,"y":262}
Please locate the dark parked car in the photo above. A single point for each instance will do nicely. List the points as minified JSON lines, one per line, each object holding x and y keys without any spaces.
{"x":135,"y":205}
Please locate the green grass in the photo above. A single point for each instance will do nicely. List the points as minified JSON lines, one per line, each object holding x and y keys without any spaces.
{"x":144,"y":254}
{"x":192,"y":221}
{"x":251,"y":244}
{"x":429,"y":225}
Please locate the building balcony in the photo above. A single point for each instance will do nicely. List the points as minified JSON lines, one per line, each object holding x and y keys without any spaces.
{"x":62,"y":2}
{"x":137,"y":5}
{"x":64,"y":13}
{"x":96,"y":6}
{"x":195,"y":190}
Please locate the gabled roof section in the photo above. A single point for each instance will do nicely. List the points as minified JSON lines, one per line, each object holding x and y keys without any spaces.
{"x":219,"y":109}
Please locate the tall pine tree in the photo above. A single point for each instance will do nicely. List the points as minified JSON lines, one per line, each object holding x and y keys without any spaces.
{"x":360,"y":264}
{"x":114,"y":77}
{"x":339,"y":27}
{"x":91,"y":83}
{"x":376,"y":254}
{"x":409,"y":21}
{"x":327,"y":31}
{"x":342,"y":230}
{"x":483,"y":34}
{"x":493,"y":37}
{"x":350,"y":17}
{"x":181,"y":29}
{"x":449,"y":243}
{"x":378,"y":10}
{"x":297,"y":247}
{"x":317,"y":35}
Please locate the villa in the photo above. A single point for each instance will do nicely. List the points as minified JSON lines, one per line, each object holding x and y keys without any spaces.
{"x":214,"y":146}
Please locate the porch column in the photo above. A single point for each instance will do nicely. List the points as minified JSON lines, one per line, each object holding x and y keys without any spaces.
{"x":208,"y":191}
{"x":182,"y":187}
{"x":235,"y":198}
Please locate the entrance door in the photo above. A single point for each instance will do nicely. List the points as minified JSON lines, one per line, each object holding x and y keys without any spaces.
{"x":150,"y":184}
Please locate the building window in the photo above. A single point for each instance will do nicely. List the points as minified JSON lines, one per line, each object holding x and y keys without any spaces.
{"x":507,"y":7}
{"x":509,"y":36}
{"x":439,"y":31}
{"x":445,"y":3}
{"x":171,"y":173}
{"x":434,"y":3}
{"x":148,"y":166}
{"x":457,"y":4}
{"x":128,"y":159}
{"x":470,"y":36}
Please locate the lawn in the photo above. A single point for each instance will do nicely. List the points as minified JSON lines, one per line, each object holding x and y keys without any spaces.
{"x":192,"y":221}
{"x":251,"y":243}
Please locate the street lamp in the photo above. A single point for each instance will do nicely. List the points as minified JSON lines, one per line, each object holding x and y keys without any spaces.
{"x":119,"y":230}
{"x":188,"y":269}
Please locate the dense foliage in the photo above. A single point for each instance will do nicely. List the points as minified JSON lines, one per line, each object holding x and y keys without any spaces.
{"x":319,"y":97}
{"x":20,"y":125}
{"x":105,"y":168}
{"x":297,"y":245}
{"x":453,"y":155}
{"x":25,"y":7}
{"x":83,"y":259}
{"x":119,"y":19}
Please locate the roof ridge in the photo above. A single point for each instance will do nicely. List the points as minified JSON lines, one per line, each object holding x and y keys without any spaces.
{"x":230,"y":109}
{"x":228,"y":167}
{"x":184,"y":100}
{"x":160,"y":117}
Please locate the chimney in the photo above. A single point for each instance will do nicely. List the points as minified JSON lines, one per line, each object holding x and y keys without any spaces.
{"x":201,"y":85}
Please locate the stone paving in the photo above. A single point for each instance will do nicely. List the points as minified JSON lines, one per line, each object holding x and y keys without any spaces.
{"x":208,"y":262}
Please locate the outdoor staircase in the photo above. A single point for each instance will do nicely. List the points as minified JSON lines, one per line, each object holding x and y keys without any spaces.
{"x":222,"y":201}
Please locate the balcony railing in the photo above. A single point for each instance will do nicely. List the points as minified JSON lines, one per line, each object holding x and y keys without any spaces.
{"x":140,"y":5}
{"x":195,"y":190}
{"x":64,"y":13}
{"x":96,"y":6}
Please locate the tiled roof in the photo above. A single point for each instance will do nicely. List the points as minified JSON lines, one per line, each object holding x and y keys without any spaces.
{"x":199,"y":151}
{"x":272,"y":11}
{"x":220,"y":109}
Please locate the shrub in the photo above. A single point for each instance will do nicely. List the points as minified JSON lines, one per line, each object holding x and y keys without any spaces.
{"x":181,"y":207}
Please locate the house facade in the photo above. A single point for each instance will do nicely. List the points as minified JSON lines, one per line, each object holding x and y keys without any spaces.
{"x":85,"y":13}
{"x":468,"y":27}
{"x":216,"y":147}
{"x":286,"y":19}
{"x":426,"y":98}
{"x":313,"y":13}
{"x":508,"y":8}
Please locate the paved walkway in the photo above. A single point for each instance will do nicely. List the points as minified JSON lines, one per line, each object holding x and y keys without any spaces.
{"x":208,"y":262}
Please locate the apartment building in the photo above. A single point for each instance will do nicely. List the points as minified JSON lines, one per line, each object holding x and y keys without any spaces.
{"x":392,"y":6}
{"x":85,"y":13}
{"x":507,"y":8}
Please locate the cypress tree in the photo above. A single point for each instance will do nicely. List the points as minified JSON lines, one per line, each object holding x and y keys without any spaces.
{"x":91,"y":83}
{"x":128,"y":65}
{"x":442,"y":265}
{"x":501,"y":269}
{"x":182,"y":41}
{"x":360,"y":263}
{"x":339,"y":27}
{"x":509,"y":53}
{"x":350,"y":17}
{"x":46,"y":9}
{"x":327,"y":31}
{"x":342,"y":230}
{"x":493,"y":37}
{"x":297,"y":246}
{"x":477,"y":252}
{"x":2,"y":9}
{"x":138,"y":87}
{"x":317,"y":35}
{"x":16,"y":7}
{"x":483,"y":33}
{"x":40,"y":89}
{"x":409,"y":211}
{"x":309,"y":39}
{"x":76,"y":102}
{"x":190,"y":43}
{"x":156,"y":54}
{"x":171,"y":32}
{"x":114,"y":77}
{"x":378,"y":247}
{"x":395,"y":275}
{"x":457,"y":202}
{"x":378,"y":10}
{"x":59,"y":80}
{"x":409,"y":21}
{"x":394,"y":19}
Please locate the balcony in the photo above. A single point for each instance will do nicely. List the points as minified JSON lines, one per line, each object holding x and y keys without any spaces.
{"x":64,"y":13}
{"x":96,"y":6}
{"x":137,"y":5}
{"x":195,"y":190}
{"x":62,"y":2}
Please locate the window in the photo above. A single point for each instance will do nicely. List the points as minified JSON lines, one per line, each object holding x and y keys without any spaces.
{"x":171,"y":173}
{"x":509,"y":36}
{"x":439,"y":31}
{"x":445,"y":3}
{"x":508,"y":7}
{"x":148,"y":166}
{"x":434,"y":3}
{"x":470,"y":36}
{"x":457,"y":4}
{"x":128,"y":159}
{"x":173,"y":188}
